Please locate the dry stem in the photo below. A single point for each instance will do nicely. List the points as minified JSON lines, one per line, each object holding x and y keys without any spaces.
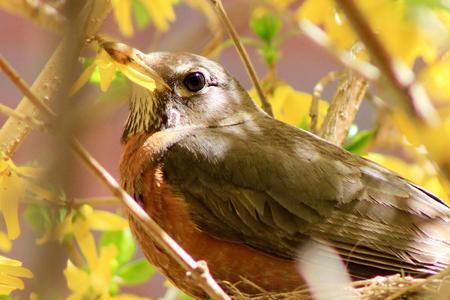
{"x":198,"y":270}
{"x":343,"y":109}
{"x":317,"y":93}
{"x":242,"y":54}
{"x":410,"y":93}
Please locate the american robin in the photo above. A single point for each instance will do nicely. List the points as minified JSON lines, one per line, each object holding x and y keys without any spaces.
{"x":244,"y":191}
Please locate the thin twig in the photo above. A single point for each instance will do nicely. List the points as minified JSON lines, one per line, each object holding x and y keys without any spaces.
{"x":8,"y":111}
{"x":411,"y":94}
{"x":343,"y":109}
{"x":22,"y":85}
{"x":320,"y":38}
{"x":317,"y":94}
{"x":97,"y":201}
{"x":242,"y":54}
{"x":197,"y":269}
{"x":415,"y":286}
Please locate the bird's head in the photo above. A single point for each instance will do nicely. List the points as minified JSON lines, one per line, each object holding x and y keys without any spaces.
{"x":196,"y":92}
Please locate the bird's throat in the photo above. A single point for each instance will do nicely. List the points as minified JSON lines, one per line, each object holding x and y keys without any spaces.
{"x":146,"y":114}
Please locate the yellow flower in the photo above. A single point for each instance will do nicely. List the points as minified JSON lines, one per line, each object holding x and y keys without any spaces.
{"x":417,"y":173}
{"x":14,"y":183}
{"x":435,"y":139}
{"x":406,"y":33}
{"x":94,"y":283}
{"x":10,"y":272}
{"x":160,"y":11}
{"x":436,"y":79}
{"x":291,"y":106}
{"x":80,"y":222}
{"x":126,"y":60}
{"x":324,"y":12}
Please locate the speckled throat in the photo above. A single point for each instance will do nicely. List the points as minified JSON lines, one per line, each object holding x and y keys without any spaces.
{"x":146,"y":113}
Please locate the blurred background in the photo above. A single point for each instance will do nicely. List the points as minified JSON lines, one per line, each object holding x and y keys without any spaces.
{"x":27,"y":47}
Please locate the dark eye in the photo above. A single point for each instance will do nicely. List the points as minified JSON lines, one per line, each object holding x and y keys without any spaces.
{"x":195,"y":81}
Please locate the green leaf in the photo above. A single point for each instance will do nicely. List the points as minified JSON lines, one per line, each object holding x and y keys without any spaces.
{"x":38,"y":218}
{"x":266,"y":26}
{"x":360,"y":141}
{"x":141,"y":15}
{"x":136,"y":272}
{"x":304,"y":124}
{"x":124,"y":242}
{"x":270,"y":54}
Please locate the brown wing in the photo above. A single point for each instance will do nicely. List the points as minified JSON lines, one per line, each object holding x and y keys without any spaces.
{"x":273,"y":186}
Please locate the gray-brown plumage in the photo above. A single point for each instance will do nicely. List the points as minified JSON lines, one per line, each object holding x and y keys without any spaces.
{"x":246,"y":178}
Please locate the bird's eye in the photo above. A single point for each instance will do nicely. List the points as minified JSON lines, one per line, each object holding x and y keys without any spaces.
{"x":195,"y":81}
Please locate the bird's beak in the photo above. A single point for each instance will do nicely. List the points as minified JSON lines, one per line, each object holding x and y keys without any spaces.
{"x":136,"y":60}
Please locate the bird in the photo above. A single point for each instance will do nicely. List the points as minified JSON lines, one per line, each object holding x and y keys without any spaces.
{"x":244,"y":191}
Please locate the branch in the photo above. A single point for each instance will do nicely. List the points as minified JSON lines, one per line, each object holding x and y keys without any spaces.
{"x":48,"y":85}
{"x":9,"y":112}
{"x":343,"y":109}
{"x":317,"y":93}
{"x":411,"y":94}
{"x":242,"y":54}
{"x":38,"y":11}
{"x":198,"y":270}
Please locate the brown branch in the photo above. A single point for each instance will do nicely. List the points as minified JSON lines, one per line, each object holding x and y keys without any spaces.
{"x":411,"y":95}
{"x":48,"y":85}
{"x":197,"y":269}
{"x":343,"y":109}
{"x":242,"y":54}
{"x":317,"y":94}
{"x":38,"y":11}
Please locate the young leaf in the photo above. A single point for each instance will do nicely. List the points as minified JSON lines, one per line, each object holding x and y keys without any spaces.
{"x":37,"y":217}
{"x":124,"y":242}
{"x":266,"y":26}
{"x":136,"y":272}
{"x":141,"y":14}
{"x":360,"y":141}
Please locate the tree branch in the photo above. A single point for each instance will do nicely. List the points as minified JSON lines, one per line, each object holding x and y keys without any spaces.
{"x":410,"y":94}
{"x":221,"y":13}
{"x":317,"y":94}
{"x":48,"y":85}
{"x":343,"y":109}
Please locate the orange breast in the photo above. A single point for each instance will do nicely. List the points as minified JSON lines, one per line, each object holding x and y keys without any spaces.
{"x":227,"y":261}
